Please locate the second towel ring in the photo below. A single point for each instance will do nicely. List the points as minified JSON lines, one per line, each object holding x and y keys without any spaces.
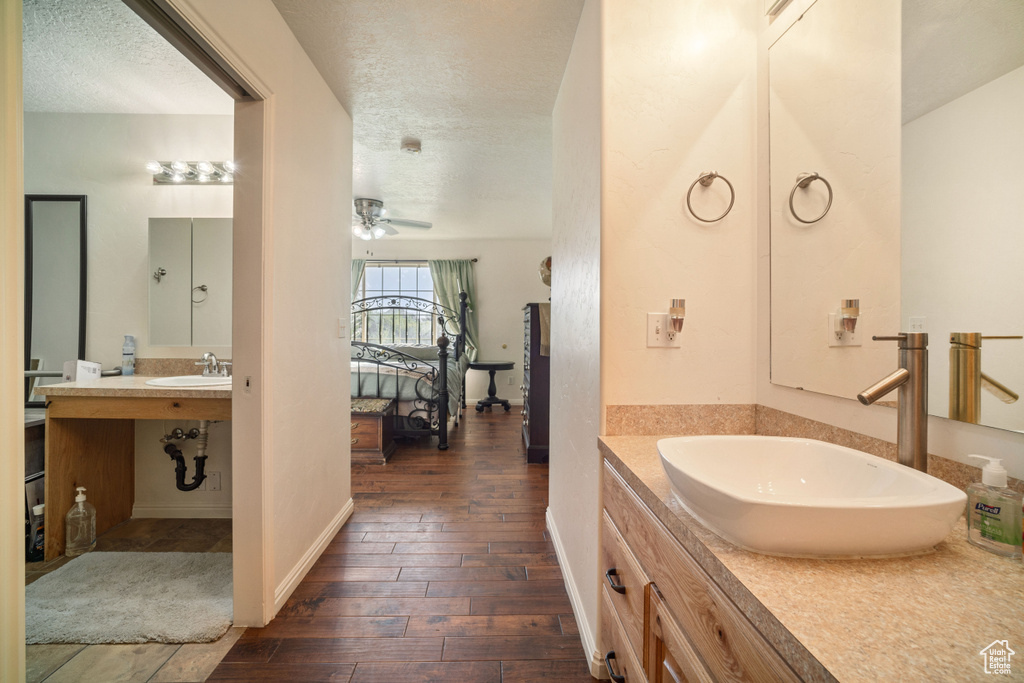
{"x":705,"y":179}
{"x":204,"y":290}
{"x":802,"y":181}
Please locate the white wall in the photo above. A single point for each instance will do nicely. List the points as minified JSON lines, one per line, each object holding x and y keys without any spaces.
{"x":962,"y":242}
{"x":574,"y":474}
{"x":678,"y":100}
{"x":103,"y":156}
{"x":12,"y":379}
{"x":291,"y":452}
{"x":949,"y":439}
{"x":507,"y":279}
{"x":839,"y":118}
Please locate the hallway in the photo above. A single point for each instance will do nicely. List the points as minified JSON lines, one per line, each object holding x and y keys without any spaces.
{"x":444,"y":572}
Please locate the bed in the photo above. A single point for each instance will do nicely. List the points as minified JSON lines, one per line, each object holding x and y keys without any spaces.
{"x":411,"y":374}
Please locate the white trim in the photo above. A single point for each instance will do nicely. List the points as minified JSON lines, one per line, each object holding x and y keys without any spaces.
{"x":299,"y":571}
{"x":596,"y":659}
{"x":182,"y":510}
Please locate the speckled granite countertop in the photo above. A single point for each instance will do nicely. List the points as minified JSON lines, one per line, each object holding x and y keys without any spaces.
{"x":925,"y":617}
{"x":131,"y":387}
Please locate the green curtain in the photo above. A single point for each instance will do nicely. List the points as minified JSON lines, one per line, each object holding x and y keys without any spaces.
{"x":452,"y":276}
{"x":358,"y":266}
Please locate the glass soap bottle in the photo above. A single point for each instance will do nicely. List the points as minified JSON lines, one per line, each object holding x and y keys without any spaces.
{"x":994,"y":511}
{"x":80,"y":526}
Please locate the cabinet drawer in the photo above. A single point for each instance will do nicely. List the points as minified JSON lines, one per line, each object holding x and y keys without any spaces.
{"x":730,"y":646}
{"x":628,"y":596}
{"x":618,"y":651}
{"x":671,"y":657}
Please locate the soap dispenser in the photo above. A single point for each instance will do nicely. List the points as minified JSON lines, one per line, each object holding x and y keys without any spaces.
{"x":994,"y":511}
{"x":80,"y":526}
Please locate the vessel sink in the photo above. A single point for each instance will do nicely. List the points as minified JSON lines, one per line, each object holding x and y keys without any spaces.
{"x":807,"y":498}
{"x":189,"y":381}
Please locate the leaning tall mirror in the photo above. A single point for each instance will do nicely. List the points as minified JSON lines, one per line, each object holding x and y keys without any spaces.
{"x":55,"y":287}
{"x":953,"y":198}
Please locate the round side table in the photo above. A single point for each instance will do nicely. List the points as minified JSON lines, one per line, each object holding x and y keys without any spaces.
{"x":492,"y":366}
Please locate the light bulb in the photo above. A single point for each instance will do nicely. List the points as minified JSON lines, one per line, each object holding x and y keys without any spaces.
{"x":229,"y":166}
{"x":357,"y":230}
{"x":203,"y":178}
{"x":177,"y":177}
{"x":378,"y":232}
{"x":179,"y":166}
{"x":205,"y":168}
{"x":366,"y":235}
{"x":227,"y":178}
{"x":154,"y":167}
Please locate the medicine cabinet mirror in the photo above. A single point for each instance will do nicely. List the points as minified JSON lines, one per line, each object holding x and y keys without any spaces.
{"x":55,"y":287}
{"x":920,"y":133}
{"x":190,"y":282}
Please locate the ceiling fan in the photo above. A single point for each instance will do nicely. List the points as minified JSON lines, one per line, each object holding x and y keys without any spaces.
{"x":369,"y":222}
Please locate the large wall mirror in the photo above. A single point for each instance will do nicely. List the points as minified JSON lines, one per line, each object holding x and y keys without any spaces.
{"x":55,"y":287}
{"x":190,"y":282}
{"x":914,"y":112}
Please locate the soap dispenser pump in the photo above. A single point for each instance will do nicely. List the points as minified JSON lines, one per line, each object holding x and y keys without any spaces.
{"x":80,"y":526}
{"x":994,"y":511}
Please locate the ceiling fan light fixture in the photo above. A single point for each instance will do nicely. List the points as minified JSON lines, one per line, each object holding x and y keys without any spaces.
{"x":377,"y":232}
{"x":358,"y":230}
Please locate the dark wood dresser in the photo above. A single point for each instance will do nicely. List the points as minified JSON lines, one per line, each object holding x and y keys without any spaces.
{"x":536,"y":388}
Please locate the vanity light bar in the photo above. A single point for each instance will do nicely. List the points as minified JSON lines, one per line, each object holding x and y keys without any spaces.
{"x":192,"y":172}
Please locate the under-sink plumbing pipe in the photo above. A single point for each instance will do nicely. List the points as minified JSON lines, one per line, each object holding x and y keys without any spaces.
{"x":180,"y":469}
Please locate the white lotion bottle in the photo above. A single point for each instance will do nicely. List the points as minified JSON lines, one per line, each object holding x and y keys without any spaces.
{"x":994,"y":511}
{"x":128,"y":355}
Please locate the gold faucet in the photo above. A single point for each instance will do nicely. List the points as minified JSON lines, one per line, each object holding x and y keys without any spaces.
{"x":966,"y":380}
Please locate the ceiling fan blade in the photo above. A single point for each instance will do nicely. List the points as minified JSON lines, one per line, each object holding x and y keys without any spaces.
{"x":401,"y":222}
{"x":387,"y":228}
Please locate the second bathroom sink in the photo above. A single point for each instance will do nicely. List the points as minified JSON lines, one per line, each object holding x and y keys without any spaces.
{"x":807,"y":498}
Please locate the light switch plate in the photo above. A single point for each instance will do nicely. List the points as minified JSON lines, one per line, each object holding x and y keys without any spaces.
{"x":657,"y":332}
{"x":844,"y":338}
{"x":213,"y":478}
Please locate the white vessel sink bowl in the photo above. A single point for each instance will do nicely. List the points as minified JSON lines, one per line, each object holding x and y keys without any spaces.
{"x":806,"y":498}
{"x":189,"y":381}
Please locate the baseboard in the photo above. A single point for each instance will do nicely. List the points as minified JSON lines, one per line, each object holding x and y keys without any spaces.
{"x":180,"y":511}
{"x":302,"y":567}
{"x":596,"y":660}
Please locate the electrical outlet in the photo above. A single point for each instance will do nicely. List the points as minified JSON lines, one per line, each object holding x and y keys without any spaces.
{"x":843,"y":338}
{"x":511,"y":380}
{"x":213,"y":479}
{"x":657,"y":332}
{"x":919,"y":324}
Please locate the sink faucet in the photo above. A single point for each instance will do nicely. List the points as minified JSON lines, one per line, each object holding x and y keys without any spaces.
{"x":210,"y":363}
{"x":912,"y":380}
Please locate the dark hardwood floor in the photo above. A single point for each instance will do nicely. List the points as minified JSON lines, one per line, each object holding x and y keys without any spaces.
{"x":445,"y":572}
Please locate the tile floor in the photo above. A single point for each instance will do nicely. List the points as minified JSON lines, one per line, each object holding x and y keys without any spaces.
{"x":155,"y":662}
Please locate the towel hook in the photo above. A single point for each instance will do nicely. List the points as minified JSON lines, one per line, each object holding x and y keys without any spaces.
{"x":802,"y":181}
{"x":203,"y":289}
{"x":705,"y":179}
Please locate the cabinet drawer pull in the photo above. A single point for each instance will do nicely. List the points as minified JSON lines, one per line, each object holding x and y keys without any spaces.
{"x":355,"y":426}
{"x":618,"y":678}
{"x":617,"y":587}
{"x":355,"y":441}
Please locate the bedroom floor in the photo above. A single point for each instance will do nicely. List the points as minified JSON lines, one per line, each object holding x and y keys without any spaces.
{"x":444,"y":572}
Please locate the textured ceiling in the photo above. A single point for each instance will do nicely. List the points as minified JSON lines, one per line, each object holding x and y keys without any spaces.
{"x":951,"y":47}
{"x":475,"y":80}
{"x":99,"y":57}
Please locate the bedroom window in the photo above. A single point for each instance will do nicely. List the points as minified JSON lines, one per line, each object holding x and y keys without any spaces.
{"x":410,"y":279}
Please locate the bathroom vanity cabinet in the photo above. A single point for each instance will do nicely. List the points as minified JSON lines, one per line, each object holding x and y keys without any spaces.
{"x":90,"y":442}
{"x":663,"y":617}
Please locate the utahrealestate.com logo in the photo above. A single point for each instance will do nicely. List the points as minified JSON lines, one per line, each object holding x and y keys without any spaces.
{"x":997,"y":657}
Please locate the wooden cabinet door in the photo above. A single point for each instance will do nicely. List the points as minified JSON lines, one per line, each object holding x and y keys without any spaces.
{"x":671,"y":657}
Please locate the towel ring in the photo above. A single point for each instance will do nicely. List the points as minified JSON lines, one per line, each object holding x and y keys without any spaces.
{"x":203,"y":289}
{"x":705,"y":179}
{"x":802,"y":181}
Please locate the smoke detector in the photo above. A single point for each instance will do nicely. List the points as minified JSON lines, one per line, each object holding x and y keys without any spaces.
{"x":411,"y":146}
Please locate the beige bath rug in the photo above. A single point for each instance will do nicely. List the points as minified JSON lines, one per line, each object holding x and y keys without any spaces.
{"x":132,"y":598}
